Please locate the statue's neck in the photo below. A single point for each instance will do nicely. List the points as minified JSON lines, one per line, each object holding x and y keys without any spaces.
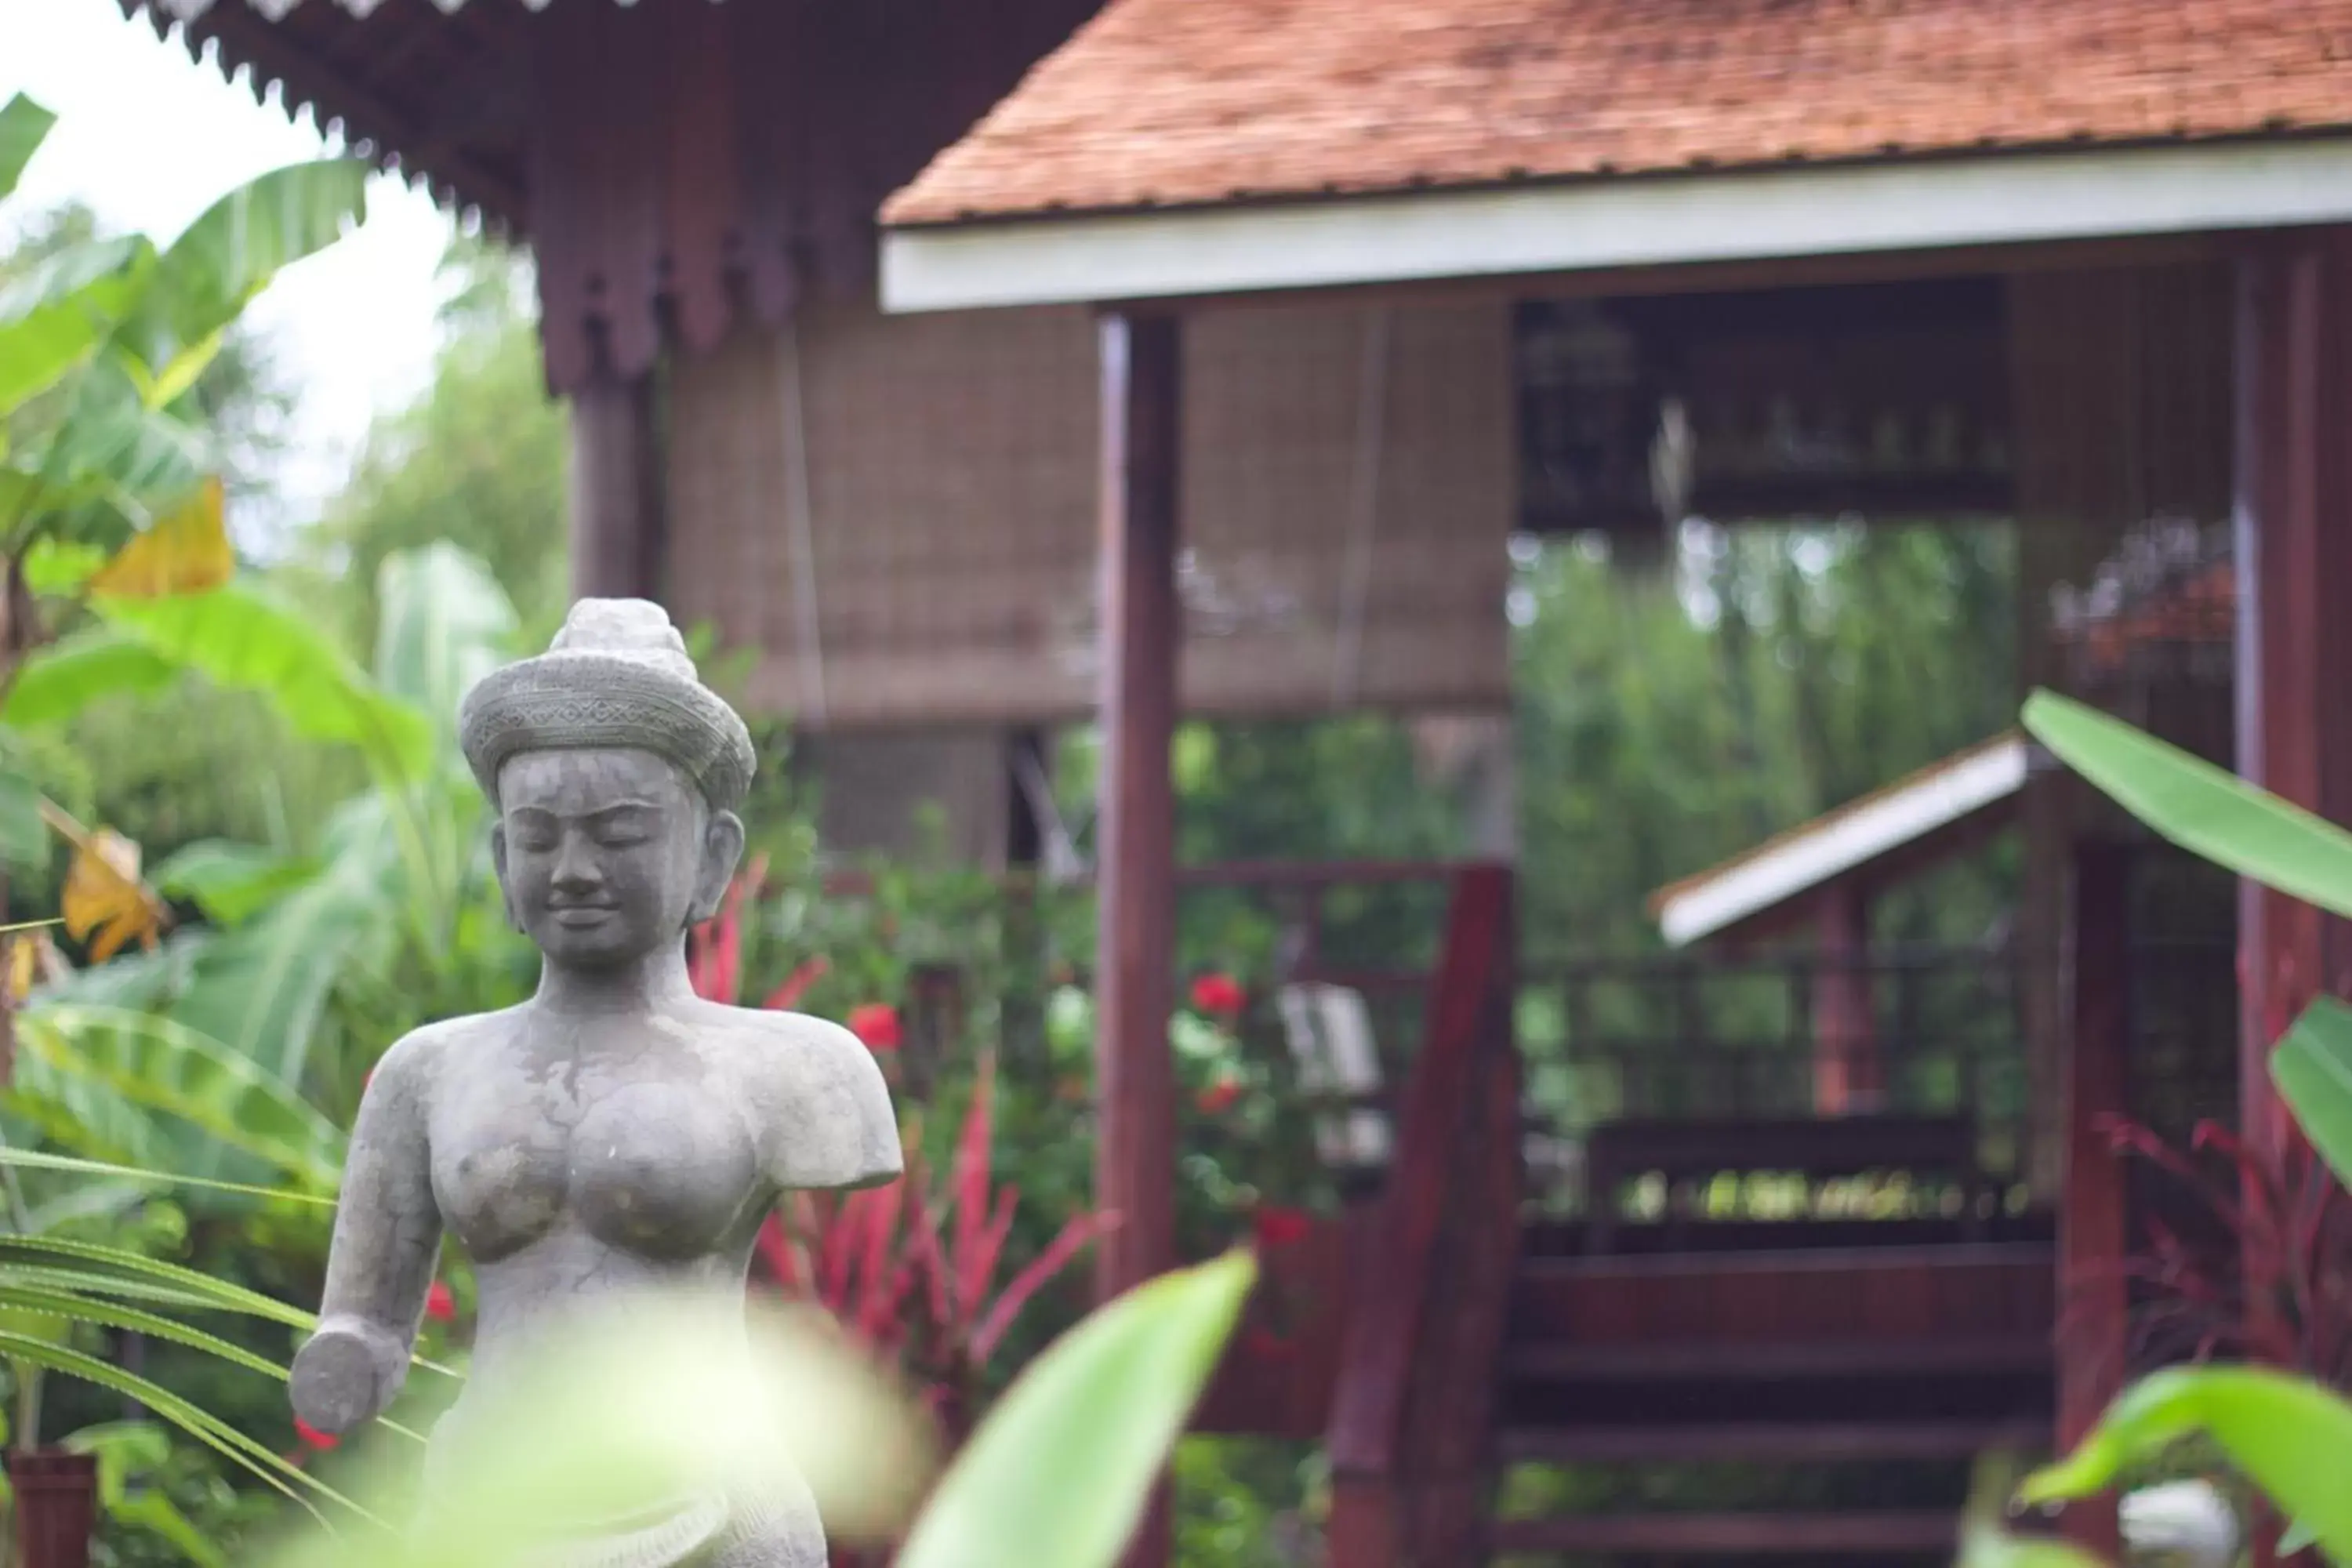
{"x":652,"y":983}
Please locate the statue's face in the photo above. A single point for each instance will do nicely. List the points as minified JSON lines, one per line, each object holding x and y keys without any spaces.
{"x":607,"y":856}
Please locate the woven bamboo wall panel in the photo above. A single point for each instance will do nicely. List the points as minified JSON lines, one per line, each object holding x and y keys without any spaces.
{"x":927,"y":484}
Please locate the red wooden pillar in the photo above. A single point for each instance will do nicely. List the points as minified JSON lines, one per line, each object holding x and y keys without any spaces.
{"x":1135,"y":1153}
{"x":2294,"y":581}
{"x":2294,"y":634}
{"x":616,"y":491}
{"x":1847,"y":1075}
{"x":2295,"y":637}
{"x":2095,"y":1328}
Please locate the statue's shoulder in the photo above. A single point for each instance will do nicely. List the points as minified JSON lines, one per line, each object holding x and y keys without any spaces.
{"x":794,"y":1041}
{"x":816,"y":1083}
{"x":414,"y":1060}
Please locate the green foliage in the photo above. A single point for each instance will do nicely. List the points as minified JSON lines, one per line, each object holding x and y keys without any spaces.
{"x":76,"y":671}
{"x":104,"y":343}
{"x":2313,"y":1068}
{"x":55,"y":1289}
{"x":1058,"y":1473}
{"x":165,"y":1068}
{"x":24,"y":836}
{"x":198,"y":762}
{"x":399,"y":891}
{"x":2244,"y":829}
{"x":230,"y":882}
{"x":242,"y":637}
{"x":2286,"y":1433}
{"x":220,"y":263}
{"x":1666,"y":724}
{"x":1243,"y":1503}
{"x":2199,"y":806}
{"x":135,"y":1476}
{"x":23,"y":125}
{"x":633,"y":1431}
{"x":1984,"y":1543}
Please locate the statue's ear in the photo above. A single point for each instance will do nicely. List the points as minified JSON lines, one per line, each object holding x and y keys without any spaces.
{"x":722,"y":851}
{"x":498,"y":863}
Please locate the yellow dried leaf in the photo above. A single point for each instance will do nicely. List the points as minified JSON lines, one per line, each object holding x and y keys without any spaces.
{"x":24,"y":956}
{"x":186,"y":552}
{"x":104,"y":903}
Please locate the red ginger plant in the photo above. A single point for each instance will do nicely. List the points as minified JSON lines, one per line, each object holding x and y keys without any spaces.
{"x":2268,"y":1276}
{"x":909,"y":1271}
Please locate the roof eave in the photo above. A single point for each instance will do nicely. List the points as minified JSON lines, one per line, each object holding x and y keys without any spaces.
{"x":1754,"y":215}
{"x":242,"y":40}
{"x":1799,"y":864}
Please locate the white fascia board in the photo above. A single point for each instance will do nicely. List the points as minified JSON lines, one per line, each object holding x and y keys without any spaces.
{"x":1808,"y":859}
{"x":1645,"y":221}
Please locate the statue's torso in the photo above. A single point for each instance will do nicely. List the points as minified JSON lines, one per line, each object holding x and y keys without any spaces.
{"x":634,"y":1136}
{"x":577,"y":1160}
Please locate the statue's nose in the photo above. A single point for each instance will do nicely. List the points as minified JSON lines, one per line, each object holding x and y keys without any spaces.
{"x":576,"y":869}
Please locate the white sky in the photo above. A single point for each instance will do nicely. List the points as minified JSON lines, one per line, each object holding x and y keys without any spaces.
{"x":148,"y":139}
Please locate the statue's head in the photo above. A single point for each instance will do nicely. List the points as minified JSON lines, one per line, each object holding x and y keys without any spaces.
{"x":615,"y":773}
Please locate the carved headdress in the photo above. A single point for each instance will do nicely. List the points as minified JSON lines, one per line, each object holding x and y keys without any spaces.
{"x":616,"y":676}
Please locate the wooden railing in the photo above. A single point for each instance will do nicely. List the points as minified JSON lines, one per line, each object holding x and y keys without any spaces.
{"x":1410,"y":1415}
{"x":1707,"y":1035}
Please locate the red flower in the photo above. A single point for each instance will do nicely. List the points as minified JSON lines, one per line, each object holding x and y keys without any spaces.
{"x":1219,"y":995}
{"x":440,"y":1305}
{"x":877,"y":1023}
{"x":1219,"y":1097}
{"x":1281,"y":1228}
{"x":312,"y":1435}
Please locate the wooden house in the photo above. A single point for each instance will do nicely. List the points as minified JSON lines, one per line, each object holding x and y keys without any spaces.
{"x":994,"y":365}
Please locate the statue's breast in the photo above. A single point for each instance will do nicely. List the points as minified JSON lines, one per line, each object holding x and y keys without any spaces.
{"x":662,"y":1170}
{"x":659,"y":1170}
{"x":499,"y":1174}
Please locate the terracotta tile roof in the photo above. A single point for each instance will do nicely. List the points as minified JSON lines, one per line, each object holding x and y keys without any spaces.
{"x":1177,"y":102}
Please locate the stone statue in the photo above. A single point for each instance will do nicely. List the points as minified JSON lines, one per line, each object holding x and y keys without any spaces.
{"x":615,"y":1132}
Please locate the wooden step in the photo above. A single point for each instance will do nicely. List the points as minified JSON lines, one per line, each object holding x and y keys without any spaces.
{"x":1717,"y":1360}
{"x":1732,"y":1534}
{"x":1546,"y":1239}
{"x":1872,"y":1293}
{"x":1795,"y":1443}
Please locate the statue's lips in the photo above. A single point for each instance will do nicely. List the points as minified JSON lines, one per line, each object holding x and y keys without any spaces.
{"x":578,"y":915}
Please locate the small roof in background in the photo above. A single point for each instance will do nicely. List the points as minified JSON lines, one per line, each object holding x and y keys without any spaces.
{"x":1910,"y":814}
{"x":1161,"y":103}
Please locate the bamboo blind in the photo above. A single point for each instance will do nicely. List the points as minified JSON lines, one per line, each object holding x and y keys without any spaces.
{"x":898,"y":513}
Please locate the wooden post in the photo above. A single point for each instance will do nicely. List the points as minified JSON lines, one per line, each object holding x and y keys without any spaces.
{"x":2295,"y":637}
{"x":616,"y":491}
{"x":1846,"y":1071}
{"x":1135,"y":1151}
{"x":2093,"y":1300}
{"x":2293,"y":517}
